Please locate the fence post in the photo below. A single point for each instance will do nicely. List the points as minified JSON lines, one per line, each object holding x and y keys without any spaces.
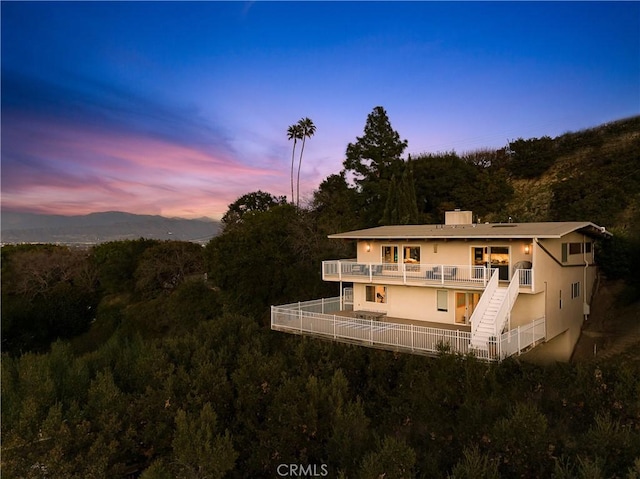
{"x":371,"y":331}
{"x":412,"y":333}
{"x":334,"y":326}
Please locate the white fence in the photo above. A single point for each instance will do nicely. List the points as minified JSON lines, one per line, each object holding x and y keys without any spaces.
{"x":315,"y":318}
{"x":516,"y":340}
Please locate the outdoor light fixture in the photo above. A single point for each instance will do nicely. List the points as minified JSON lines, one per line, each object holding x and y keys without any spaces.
{"x":368,"y":247}
{"x":527,"y":250}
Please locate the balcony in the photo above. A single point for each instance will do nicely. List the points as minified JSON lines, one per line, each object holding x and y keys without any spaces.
{"x":416,"y":274}
{"x":327,"y":318}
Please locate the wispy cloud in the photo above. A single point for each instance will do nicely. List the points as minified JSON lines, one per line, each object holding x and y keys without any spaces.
{"x":105,"y":145}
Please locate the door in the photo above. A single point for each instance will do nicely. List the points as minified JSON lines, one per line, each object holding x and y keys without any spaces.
{"x":494,"y":257}
{"x":465,"y":305}
{"x":499,"y":258}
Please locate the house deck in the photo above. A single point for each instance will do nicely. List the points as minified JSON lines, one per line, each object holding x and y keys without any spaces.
{"x":324,"y":319}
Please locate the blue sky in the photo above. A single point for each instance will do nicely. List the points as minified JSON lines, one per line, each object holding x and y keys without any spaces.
{"x":179,"y":108}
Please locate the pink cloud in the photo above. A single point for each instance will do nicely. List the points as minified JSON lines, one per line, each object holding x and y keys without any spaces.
{"x":77,"y":170}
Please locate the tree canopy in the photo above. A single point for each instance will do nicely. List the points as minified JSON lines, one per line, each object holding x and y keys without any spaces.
{"x":373,"y":160}
{"x":248,"y":204}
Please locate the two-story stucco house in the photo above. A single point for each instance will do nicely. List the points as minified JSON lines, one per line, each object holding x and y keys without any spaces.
{"x":493,"y":290}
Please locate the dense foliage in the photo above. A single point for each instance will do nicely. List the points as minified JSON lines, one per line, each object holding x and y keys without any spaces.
{"x":228,"y":398}
{"x":47,"y":292}
{"x":153,"y":359}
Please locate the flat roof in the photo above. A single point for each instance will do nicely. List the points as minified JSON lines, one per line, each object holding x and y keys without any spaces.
{"x":480,"y":230}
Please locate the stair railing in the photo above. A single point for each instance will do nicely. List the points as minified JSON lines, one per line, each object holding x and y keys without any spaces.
{"x":483,"y":303}
{"x":504,"y":312}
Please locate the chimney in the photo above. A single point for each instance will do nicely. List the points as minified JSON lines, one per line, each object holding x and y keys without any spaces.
{"x":457,"y":217}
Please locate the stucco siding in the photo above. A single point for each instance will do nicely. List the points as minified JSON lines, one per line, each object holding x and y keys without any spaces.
{"x":407,"y":302}
{"x":528,"y":308}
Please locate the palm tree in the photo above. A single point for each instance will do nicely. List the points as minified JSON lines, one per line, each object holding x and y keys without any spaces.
{"x":293,"y":133}
{"x":307,"y":129}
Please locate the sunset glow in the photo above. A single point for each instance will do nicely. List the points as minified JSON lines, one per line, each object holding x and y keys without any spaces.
{"x":179,"y":108}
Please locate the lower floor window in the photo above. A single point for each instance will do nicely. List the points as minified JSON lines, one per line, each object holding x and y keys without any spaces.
{"x":443,"y":300}
{"x":376,"y":294}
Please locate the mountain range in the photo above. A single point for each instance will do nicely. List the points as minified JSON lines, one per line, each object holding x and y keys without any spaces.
{"x":101,"y":227}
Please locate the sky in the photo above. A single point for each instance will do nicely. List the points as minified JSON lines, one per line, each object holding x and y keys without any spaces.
{"x":180,"y":108}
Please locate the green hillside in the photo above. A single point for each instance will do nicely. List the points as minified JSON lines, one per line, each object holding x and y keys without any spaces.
{"x":588,"y":175}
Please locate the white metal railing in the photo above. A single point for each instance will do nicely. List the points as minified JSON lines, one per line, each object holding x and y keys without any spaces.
{"x":405,"y":273}
{"x":347,"y":298}
{"x":516,"y":340}
{"x":525,"y":277}
{"x":493,"y":325}
{"x":415,"y":273}
{"x":504,"y":312}
{"x":483,"y":303}
{"x":323,"y":305}
{"x":314,"y":318}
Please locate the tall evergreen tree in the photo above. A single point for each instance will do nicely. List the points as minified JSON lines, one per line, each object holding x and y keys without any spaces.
{"x":401,"y":206}
{"x":390,"y":216}
{"x":373,"y":160}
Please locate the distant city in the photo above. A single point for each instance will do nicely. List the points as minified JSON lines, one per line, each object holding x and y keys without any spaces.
{"x":97,"y":228}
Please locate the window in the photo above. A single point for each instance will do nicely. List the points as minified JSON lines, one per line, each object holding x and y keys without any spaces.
{"x":579,"y":248}
{"x":412,"y":254}
{"x":564,"y":252}
{"x":443,"y":300}
{"x":389,"y":254}
{"x":575,"y":248}
{"x":575,"y":290}
{"x":376,"y":294}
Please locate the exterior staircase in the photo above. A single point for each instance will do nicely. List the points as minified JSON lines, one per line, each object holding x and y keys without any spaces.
{"x":486,"y":328}
{"x":492,"y":313}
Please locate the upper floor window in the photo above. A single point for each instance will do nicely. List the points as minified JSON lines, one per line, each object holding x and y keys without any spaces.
{"x":575,"y":248}
{"x":412,"y":254}
{"x":389,"y":254}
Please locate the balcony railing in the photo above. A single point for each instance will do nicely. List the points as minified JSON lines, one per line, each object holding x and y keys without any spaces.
{"x":318,"y":318}
{"x":414,"y":274}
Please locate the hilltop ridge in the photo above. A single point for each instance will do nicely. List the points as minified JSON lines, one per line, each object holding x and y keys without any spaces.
{"x":590,"y":174}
